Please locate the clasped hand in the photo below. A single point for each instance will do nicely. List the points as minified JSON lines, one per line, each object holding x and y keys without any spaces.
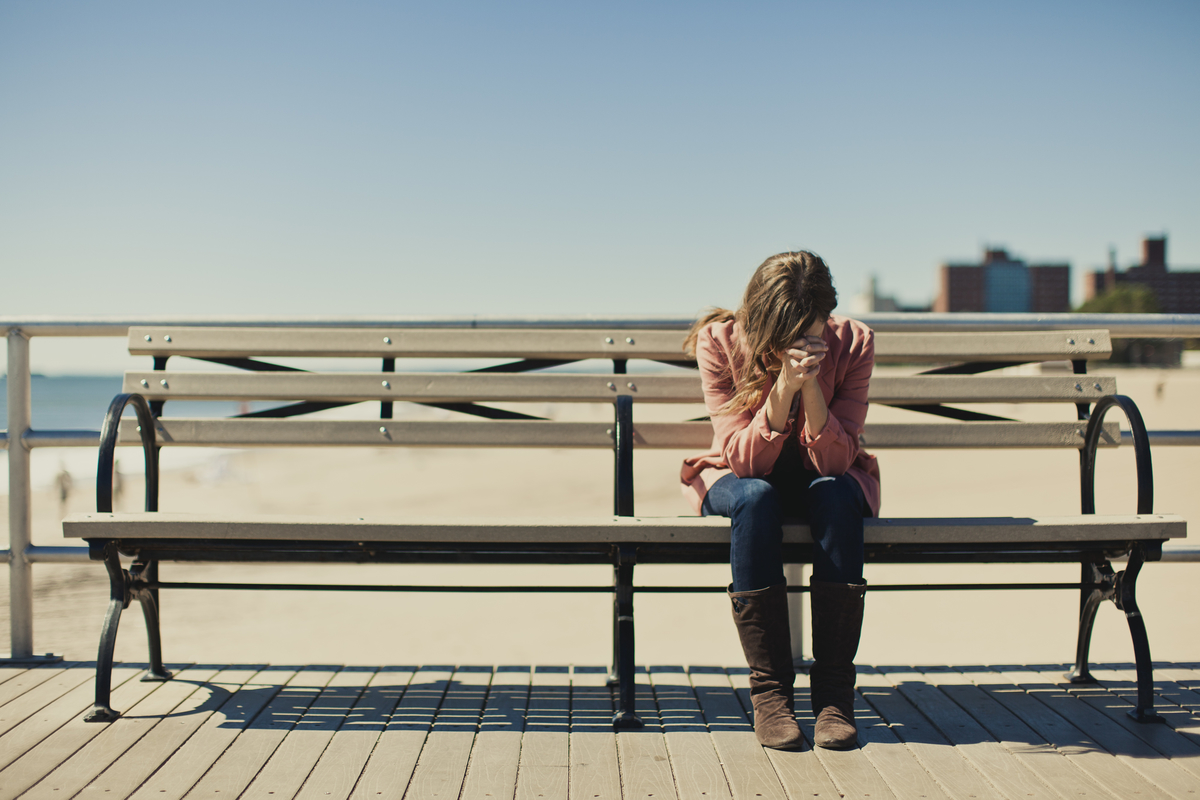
{"x":801,"y":362}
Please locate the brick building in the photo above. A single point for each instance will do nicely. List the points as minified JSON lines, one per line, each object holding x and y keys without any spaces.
{"x":1177,"y":292}
{"x":1001,"y":283}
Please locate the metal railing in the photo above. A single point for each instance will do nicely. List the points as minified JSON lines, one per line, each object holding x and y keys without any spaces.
{"x":20,"y":438}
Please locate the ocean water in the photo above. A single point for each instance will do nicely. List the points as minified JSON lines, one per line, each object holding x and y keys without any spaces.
{"x":79,"y":403}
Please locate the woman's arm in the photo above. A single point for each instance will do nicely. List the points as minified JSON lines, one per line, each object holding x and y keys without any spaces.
{"x":750,"y":441}
{"x":831,"y":432}
{"x":746,"y":441}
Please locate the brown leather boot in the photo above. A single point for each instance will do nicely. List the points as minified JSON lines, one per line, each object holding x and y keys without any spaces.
{"x":837,"y":613}
{"x":761,"y":617}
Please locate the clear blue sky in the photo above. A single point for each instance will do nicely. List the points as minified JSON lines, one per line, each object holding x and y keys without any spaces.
{"x":292,"y":158}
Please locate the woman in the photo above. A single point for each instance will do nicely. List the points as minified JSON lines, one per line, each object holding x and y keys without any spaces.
{"x":785,"y":384}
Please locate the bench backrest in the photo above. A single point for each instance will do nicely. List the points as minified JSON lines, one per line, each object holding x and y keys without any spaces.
{"x":961,"y":358}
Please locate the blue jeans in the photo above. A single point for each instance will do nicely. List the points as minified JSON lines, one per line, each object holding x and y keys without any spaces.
{"x":833,"y":507}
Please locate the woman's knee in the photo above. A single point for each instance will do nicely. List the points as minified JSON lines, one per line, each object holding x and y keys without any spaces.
{"x":836,"y":494}
{"x":755,"y":496}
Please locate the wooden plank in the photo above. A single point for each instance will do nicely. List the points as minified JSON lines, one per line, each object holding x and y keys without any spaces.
{"x":594,"y":771}
{"x":1075,"y":745}
{"x":568,"y":343}
{"x":20,"y":685}
{"x":747,"y":767}
{"x":425,"y":387}
{"x":900,"y":436}
{"x":140,"y":761}
{"x":30,"y":754}
{"x":341,"y":763}
{"x":492,"y":771}
{"x":955,"y":774}
{"x":294,"y":759}
{"x":985,"y":435}
{"x":53,"y":705}
{"x":693,"y":758}
{"x":400,"y":342}
{"x":851,"y":771}
{"x":112,"y":741}
{"x":894,"y":390}
{"x":450,"y":387}
{"x":131,"y":526}
{"x":642,"y":752}
{"x":303,"y":432}
{"x":9,"y":672}
{"x":544,"y":755}
{"x":1182,"y":749}
{"x":240,"y":763}
{"x":905,"y":775}
{"x":998,"y":765}
{"x":390,"y":767}
{"x":442,"y":766}
{"x":1131,"y":750}
{"x":37,"y":694}
{"x":1174,"y":685}
{"x":1029,"y":749}
{"x":893,"y":347}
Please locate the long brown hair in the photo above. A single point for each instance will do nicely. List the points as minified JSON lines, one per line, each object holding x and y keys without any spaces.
{"x":787,"y":294}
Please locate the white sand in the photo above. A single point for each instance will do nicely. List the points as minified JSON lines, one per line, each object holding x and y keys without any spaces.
{"x":909,"y":627}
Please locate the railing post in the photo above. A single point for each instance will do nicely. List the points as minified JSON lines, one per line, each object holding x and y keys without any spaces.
{"x":794,"y":575}
{"x":20,"y":573}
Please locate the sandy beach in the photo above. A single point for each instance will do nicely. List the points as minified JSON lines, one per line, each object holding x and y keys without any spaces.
{"x":373,"y":628}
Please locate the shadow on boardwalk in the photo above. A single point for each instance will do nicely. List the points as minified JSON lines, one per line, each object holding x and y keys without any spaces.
{"x":441,"y":731}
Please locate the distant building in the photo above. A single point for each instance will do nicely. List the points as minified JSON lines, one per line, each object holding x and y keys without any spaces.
{"x":1001,"y":283}
{"x":870,"y":300}
{"x":1177,"y":292}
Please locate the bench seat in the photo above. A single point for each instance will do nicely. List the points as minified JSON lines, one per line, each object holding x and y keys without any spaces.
{"x":131,"y":529}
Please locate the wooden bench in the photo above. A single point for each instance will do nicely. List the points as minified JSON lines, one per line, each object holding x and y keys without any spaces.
{"x":623,"y":539}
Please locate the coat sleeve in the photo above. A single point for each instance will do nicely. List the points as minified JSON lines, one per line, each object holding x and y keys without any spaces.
{"x":745,"y":439}
{"x":836,"y":446}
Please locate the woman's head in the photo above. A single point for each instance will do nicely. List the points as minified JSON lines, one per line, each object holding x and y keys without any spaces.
{"x":790,"y":295}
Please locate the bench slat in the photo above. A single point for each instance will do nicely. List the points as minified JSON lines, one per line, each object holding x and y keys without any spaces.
{"x":892,"y":348}
{"x":539,"y":530}
{"x":883,"y":436}
{"x":580,"y":344}
{"x":432,"y":387}
{"x":522,"y":433}
{"x":428,"y":387}
{"x":406,"y":342}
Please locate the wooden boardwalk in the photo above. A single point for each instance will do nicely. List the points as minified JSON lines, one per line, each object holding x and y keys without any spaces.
{"x":318,"y":732}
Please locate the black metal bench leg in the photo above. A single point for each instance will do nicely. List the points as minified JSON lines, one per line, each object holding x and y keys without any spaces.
{"x":1126,"y":600}
{"x":118,"y":600}
{"x":148,"y":597}
{"x":1102,"y":579}
{"x":623,"y":658}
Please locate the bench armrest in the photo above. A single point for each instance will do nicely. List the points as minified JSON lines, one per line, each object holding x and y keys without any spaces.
{"x":1141,"y":451}
{"x":108,"y":446}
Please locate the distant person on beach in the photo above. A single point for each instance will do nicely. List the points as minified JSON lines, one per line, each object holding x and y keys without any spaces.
{"x":64,"y":483}
{"x":118,"y":484}
{"x":785,"y":383}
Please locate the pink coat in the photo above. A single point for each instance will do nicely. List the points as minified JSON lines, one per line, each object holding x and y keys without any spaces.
{"x":744,"y":443}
